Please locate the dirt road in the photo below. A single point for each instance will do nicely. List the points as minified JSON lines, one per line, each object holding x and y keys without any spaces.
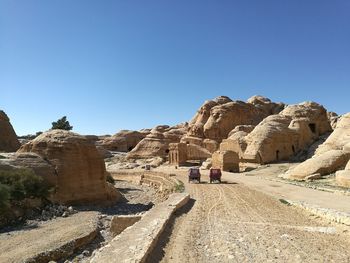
{"x":233,"y":223}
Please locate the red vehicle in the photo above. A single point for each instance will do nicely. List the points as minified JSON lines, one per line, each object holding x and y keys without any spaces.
{"x":215,"y":175}
{"x":194,"y":175}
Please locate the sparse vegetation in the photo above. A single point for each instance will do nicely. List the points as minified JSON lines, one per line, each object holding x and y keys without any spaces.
{"x":19,"y":184}
{"x":109,"y":179}
{"x":4,"y":196}
{"x":180,"y":187}
{"x":62,"y":124}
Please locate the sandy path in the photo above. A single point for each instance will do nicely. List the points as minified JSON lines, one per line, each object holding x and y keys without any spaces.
{"x":233,"y":223}
{"x":18,"y":246}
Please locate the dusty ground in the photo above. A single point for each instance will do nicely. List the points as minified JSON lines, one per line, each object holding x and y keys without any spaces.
{"x":25,"y":241}
{"x":233,"y":223}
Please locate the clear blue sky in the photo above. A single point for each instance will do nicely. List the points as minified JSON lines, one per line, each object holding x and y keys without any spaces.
{"x":111,"y":65}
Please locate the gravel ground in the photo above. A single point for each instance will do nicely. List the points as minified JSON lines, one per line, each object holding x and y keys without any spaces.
{"x":233,"y":223}
{"x":50,"y":230}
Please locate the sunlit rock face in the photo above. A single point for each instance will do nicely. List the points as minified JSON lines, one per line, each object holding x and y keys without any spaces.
{"x":8,"y":137}
{"x":278,"y":137}
{"x":80,"y":169}
{"x":329,"y":157}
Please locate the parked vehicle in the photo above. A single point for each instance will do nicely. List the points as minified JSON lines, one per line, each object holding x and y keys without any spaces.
{"x":194,"y":175}
{"x":215,"y":175}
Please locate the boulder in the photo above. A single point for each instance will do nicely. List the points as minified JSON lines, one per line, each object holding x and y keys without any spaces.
{"x":226,"y":161}
{"x":80,"y":169}
{"x":323,"y":164}
{"x":8,"y":137}
{"x":342,"y":177}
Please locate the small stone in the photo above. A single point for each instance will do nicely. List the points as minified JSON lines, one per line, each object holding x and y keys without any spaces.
{"x":65,"y":214}
{"x":86,"y":253}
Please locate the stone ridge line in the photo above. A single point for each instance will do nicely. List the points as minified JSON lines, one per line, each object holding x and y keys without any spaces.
{"x":135,"y":243}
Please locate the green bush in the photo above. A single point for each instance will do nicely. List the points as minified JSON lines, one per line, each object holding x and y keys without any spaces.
{"x":4,"y":196}
{"x":62,"y":124}
{"x":23,"y":183}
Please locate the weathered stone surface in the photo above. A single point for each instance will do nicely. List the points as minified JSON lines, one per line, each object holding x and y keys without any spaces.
{"x":266,"y":105}
{"x":217,"y":119}
{"x":236,"y":140}
{"x":121,"y":222}
{"x":330,"y":156}
{"x":8,"y":137}
{"x":226,"y":161}
{"x":343,"y":176}
{"x":123,"y":141}
{"x":80,"y":169}
{"x":135,"y":243}
{"x":196,"y":125}
{"x":224,"y":118}
{"x":339,"y":137}
{"x":326,"y":163}
{"x":333,"y":119}
{"x":279,"y":137}
{"x":157,"y":142}
{"x":31,"y":161}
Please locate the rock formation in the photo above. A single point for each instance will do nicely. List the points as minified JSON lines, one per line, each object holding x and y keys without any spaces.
{"x":8,"y":137}
{"x":330,"y":156}
{"x":123,"y":141}
{"x":217,"y":118}
{"x":226,"y":161}
{"x":343,"y":176}
{"x":156,"y":143}
{"x":81,"y":173}
{"x":279,"y":137}
{"x":31,"y":161}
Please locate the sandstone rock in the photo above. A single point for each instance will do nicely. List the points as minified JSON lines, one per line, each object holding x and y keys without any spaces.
{"x":81,"y":173}
{"x":207,"y":164}
{"x":123,"y":141}
{"x":103,"y":152}
{"x":326,"y":163}
{"x":226,"y":161}
{"x":8,"y":137}
{"x":279,"y":137}
{"x":266,"y":105}
{"x":157,"y":142}
{"x":217,"y":119}
{"x":330,"y":156}
{"x":333,"y":119}
{"x":339,"y":137}
{"x":241,"y":128}
{"x":313,"y":177}
{"x":343,"y":177}
{"x":236,"y":141}
{"x":120,"y":223}
{"x":196,"y":125}
{"x":31,"y":161}
{"x":224,"y":118}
